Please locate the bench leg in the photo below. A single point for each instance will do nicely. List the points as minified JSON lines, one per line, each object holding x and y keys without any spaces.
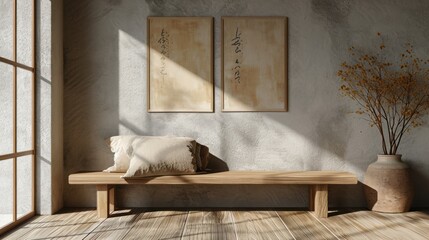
{"x":111,"y":199}
{"x":311,"y":197}
{"x":105,"y":200}
{"x":318,"y":201}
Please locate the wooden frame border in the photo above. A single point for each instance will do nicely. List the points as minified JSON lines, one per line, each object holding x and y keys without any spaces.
{"x":15,"y":155}
{"x":286,"y":109}
{"x":148,"y":66}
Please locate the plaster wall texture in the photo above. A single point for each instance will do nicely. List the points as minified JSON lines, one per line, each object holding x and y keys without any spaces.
{"x":44,"y":107}
{"x":105,"y":95}
{"x":49,"y":81}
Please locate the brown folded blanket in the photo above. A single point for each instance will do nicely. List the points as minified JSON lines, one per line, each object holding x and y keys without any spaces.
{"x":200,"y":154}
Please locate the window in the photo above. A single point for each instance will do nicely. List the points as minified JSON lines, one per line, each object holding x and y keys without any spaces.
{"x":17,"y":112}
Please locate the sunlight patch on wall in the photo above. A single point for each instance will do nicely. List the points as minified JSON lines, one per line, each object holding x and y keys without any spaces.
{"x":131,"y":83}
{"x":181,"y":91}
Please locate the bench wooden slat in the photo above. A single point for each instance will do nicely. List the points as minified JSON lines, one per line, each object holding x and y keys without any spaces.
{"x":318,"y":182}
{"x":229,"y":177}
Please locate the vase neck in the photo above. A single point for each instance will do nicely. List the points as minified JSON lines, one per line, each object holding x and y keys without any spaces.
{"x":384,"y":158}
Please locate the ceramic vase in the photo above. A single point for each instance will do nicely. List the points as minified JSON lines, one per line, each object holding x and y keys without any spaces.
{"x":387,"y":185}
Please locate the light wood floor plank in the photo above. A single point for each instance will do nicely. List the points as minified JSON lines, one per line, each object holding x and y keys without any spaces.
{"x":72,"y":226}
{"x":22,"y":230}
{"x":367,"y":225}
{"x":137,"y":224}
{"x":260,"y":225}
{"x":117,"y":226}
{"x":303,"y":226}
{"x":418,"y":216}
{"x":404,"y":224}
{"x":40,"y":222}
{"x":209,"y":225}
{"x":158,"y":225}
{"x":346,"y":226}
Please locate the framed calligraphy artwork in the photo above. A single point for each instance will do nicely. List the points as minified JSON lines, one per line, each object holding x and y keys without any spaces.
{"x":254,"y":64}
{"x":180,"y":64}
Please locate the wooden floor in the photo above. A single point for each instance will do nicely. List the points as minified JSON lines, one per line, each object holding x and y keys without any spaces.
{"x":140,"y":224}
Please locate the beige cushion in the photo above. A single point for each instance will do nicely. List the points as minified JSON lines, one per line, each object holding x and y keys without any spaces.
{"x":121,"y":147}
{"x":164,"y":156}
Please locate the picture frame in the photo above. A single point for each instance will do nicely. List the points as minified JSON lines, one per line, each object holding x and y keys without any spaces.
{"x":254,"y":64}
{"x":180,"y":64}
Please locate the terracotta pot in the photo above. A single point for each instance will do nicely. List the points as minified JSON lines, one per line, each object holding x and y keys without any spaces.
{"x":388,"y":186}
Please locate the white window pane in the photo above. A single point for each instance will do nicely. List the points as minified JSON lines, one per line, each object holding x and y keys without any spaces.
{"x":24,"y":185}
{"x":24,"y":33}
{"x":24,"y":110}
{"x":6,"y":108}
{"x":6,"y":189}
{"x":6,"y":29}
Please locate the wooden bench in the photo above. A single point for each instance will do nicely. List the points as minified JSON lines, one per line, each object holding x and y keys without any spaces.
{"x":318,"y":182}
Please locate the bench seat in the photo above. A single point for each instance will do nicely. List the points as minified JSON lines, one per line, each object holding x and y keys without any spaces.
{"x":318,"y":182}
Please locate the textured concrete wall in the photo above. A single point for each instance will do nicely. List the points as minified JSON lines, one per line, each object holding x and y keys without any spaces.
{"x":49,"y":107}
{"x":44,"y":107}
{"x":105,"y":95}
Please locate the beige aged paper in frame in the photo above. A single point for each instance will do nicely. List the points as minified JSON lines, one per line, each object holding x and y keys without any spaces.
{"x":180,"y":74}
{"x":254,"y":63}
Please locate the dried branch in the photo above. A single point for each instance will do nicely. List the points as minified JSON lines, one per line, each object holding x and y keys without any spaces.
{"x":394,"y":95}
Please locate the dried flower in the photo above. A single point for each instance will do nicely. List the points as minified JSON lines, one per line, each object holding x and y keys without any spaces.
{"x":393,"y":95}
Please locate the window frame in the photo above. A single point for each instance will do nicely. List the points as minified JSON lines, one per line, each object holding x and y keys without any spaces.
{"x":14,"y":155}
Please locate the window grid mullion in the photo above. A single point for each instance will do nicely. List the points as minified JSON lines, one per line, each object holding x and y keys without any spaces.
{"x":16,"y":155}
{"x":34,"y":110}
{"x":16,"y":64}
{"x":15,"y":99}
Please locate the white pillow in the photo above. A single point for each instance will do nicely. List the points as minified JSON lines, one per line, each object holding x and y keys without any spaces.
{"x":121,"y":147}
{"x":161,"y":156}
